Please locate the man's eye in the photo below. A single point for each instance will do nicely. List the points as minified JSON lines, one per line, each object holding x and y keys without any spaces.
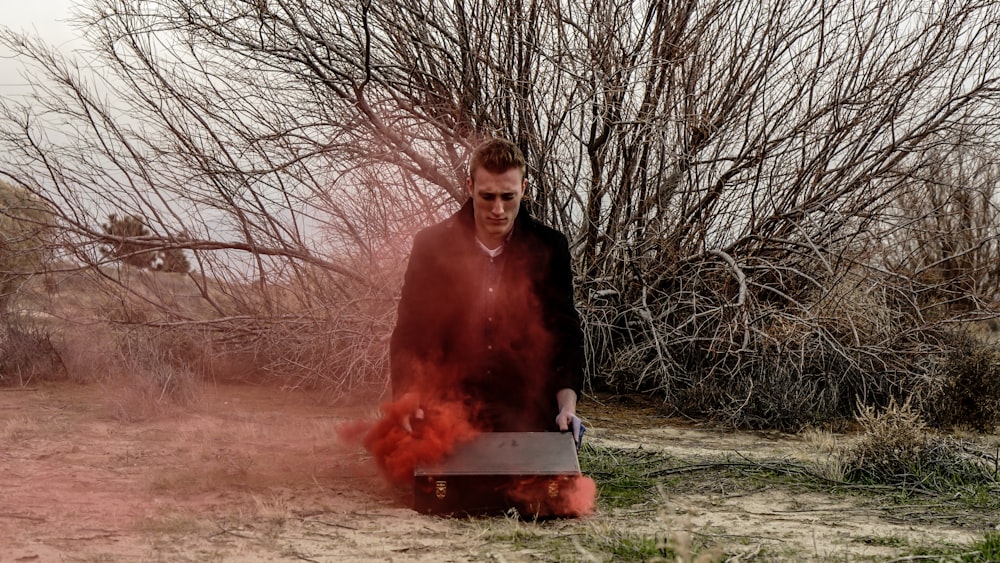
{"x":508,"y":197}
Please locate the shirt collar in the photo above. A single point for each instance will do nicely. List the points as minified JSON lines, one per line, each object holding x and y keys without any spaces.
{"x":498,"y":250}
{"x":493,"y":253}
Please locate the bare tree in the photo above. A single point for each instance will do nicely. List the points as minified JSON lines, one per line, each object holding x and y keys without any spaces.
{"x":946,"y":235}
{"x":731,"y":172}
{"x":25,"y":241}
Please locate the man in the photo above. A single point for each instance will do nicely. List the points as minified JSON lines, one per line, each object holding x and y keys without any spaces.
{"x":486,"y":316}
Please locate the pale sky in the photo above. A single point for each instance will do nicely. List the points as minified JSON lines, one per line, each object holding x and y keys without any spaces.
{"x":48,"y":19}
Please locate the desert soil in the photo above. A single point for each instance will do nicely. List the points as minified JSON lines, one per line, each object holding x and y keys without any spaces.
{"x":254,"y":474}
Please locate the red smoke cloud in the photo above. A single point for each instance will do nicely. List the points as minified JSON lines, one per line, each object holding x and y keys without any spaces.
{"x":445,"y":426}
{"x":571,"y":496}
{"x":578,"y":499}
{"x":397,"y":451}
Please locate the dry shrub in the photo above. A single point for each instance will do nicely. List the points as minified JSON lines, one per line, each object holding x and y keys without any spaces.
{"x":219,"y":365}
{"x":27,"y":353}
{"x":339,"y":357}
{"x":144,"y":376}
{"x":331,"y":338}
{"x":897,"y":448}
{"x":792,"y":374}
{"x":155,"y":372}
{"x":89,"y":352}
{"x":169,"y":359}
{"x":772,"y":388}
{"x":135,"y":314}
{"x":146,"y":393}
{"x":894,"y":443}
{"x":966,"y":393}
{"x":762,"y":344}
{"x":146,"y":369}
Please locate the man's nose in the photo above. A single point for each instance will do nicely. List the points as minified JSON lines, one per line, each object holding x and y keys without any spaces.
{"x":497,"y":207}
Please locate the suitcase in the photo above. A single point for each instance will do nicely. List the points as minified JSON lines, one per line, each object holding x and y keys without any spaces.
{"x":532,"y":472}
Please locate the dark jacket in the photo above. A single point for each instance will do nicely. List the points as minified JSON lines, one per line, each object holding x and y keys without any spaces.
{"x":506,"y":364}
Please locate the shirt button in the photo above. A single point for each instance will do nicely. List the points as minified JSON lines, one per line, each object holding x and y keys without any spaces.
{"x":489,"y":319}
{"x":491,"y":290}
{"x":489,"y":346}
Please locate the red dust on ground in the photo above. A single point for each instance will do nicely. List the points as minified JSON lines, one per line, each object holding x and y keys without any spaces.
{"x":564,"y":497}
{"x":257,"y":474}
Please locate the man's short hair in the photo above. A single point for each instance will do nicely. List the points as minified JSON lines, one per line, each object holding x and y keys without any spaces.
{"x":497,"y":156}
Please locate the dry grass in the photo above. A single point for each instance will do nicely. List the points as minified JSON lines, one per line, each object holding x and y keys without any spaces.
{"x":966,"y":393}
{"x":273,"y":508}
{"x":894,"y":447}
{"x":242,"y":453}
{"x":89,"y":352}
{"x":144,"y":394}
{"x":820,"y":440}
{"x":897,"y":448}
{"x":825,"y":449}
{"x":292,"y":334}
{"x":175,"y":524}
{"x":672,"y":538}
{"x":27,"y":352}
{"x":19,"y":428}
{"x":252,"y":472}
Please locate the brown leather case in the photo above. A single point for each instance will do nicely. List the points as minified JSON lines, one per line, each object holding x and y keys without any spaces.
{"x":497,"y":471}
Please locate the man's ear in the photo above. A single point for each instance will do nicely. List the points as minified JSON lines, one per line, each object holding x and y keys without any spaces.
{"x":468,"y":185}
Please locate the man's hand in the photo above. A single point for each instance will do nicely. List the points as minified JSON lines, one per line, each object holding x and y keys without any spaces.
{"x":408,"y":411}
{"x":407,"y":422}
{"x":566,"y":398}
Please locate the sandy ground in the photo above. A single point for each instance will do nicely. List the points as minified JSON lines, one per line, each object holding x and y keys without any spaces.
{"x":252,"y":474}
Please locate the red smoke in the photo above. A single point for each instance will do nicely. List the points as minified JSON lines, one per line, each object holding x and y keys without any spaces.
{"x":398,"y":451}
{"x":579,"y":498}
{"x":446,"y":425}
{"x":571,"y":496}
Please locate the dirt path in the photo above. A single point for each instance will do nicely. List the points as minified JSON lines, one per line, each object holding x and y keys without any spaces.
{"x":250,"y":474}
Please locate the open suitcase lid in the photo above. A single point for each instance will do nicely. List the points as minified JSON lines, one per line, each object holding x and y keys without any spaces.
{"x":510,"y":453}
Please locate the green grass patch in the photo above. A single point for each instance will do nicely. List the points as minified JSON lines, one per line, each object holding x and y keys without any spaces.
{"x":640,"y":549}
{"x":640,"y":480}
{"x":673,"y":546}
{"x":984,"y":550}
{"x":884,"y":541}
{"x":623,"y":476}
{"x":988,"y":548}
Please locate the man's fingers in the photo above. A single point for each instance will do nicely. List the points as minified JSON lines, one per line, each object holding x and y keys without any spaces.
{"x":562,"y":421}
{"x":407,"y":422}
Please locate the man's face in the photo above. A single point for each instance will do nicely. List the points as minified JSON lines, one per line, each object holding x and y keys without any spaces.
{"x":496,"y":199}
